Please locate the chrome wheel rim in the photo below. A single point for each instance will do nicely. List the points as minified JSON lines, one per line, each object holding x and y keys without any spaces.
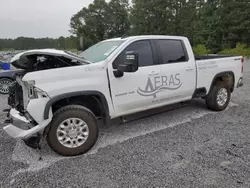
{"x":4,"y":85}
{"x":222,"y":97}
{"x":72,"y":132}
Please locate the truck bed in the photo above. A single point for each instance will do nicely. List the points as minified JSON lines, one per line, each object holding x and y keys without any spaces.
{"x":209,"y":66}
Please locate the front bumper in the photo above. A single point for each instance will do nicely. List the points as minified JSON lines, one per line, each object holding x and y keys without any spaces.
{"x":17,"y":132}
{"x":35,"y":111}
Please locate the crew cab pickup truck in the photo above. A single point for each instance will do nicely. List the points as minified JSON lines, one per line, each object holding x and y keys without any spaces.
{"x":61,"y":95}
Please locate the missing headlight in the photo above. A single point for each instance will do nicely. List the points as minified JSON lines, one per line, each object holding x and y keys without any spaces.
{"x":40,"y":93}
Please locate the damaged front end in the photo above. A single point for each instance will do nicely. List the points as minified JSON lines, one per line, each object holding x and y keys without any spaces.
{"x":25,"y":119}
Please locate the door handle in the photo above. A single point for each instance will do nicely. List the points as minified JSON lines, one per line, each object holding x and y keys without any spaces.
{"x":189,"y":69}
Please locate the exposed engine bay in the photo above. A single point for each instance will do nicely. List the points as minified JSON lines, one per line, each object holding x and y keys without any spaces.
{"x":37,"y":60}
{"x":42,"y":62}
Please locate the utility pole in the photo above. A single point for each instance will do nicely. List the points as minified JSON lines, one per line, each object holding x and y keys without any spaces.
{"x":81,"y":40}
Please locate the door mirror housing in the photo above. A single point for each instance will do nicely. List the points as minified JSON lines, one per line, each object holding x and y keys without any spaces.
{"x":130,"y":63}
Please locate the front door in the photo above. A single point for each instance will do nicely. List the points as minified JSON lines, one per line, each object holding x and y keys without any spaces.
{"x":133,"y":91}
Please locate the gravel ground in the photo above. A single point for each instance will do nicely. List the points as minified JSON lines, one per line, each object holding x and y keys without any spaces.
{"x":186,"y":147}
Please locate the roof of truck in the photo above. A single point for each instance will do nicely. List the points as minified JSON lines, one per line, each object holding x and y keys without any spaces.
{"x":147,"y":37}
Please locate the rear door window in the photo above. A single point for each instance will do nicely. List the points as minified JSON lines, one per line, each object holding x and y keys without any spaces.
{"x":172,"y":51}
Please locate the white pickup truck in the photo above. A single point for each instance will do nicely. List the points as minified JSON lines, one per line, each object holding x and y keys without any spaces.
{"x":61,"y":95}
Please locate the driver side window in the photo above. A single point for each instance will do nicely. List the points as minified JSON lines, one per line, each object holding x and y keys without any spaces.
{"x":144,"y":50}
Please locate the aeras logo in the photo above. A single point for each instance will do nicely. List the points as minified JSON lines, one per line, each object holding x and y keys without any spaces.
{"x":158,"y":84}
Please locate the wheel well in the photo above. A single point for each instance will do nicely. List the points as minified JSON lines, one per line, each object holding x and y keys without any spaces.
{"x":7,"y":78}
{"x":92,"y":102}
{"x":225,"y":77}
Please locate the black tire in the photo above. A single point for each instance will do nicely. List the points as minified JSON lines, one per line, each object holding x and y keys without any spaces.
{"x":2,"y":82}
{"x":211,"y":99}
{"x":73,"y":111}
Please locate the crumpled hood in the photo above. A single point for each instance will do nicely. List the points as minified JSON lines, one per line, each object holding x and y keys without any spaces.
{"x":20,"y":60}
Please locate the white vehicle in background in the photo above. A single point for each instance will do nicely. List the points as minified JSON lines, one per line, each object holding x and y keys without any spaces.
{"x":61,"y":95}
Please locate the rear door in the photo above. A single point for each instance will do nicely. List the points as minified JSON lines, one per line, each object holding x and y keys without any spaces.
{"x":133,"y":91}
{"x":178,"y":71}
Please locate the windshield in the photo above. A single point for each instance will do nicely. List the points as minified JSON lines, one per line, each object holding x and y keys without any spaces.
{"x":100,"y":51}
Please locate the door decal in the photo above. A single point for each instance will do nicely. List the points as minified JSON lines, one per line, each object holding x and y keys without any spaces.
{"x":158,"y":84}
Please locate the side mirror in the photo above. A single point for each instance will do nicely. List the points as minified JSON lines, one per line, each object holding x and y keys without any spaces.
{"x":130,"y":63}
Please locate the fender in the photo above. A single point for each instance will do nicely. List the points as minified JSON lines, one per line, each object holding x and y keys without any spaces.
{"x":79,"y":93}
{"x":221,"y":74}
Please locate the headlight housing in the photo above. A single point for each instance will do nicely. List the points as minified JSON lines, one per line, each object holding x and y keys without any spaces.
{"x":34,"y":92}
{"x":30,"y":87}
{"x":40,"y":93}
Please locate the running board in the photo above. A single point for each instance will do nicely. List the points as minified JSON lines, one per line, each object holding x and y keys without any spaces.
{"x":152,"y":112}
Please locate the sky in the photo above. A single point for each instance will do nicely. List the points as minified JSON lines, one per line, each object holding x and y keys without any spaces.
{"x":37,"y":18}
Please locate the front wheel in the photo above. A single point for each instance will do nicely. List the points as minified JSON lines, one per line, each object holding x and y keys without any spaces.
{"x":73,"y":131}
{"x":219,"y":97}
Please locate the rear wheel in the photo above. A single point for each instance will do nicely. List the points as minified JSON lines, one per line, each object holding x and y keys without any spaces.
{"x":219,"y":96}
{"x":74,"y":131}
{"x":4,"y":85}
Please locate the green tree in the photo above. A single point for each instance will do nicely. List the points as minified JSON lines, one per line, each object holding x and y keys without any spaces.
{"x":25,"y":43}
{"x":235,"y":22}
{"x":101,"y":20}
{"x":117,"y":18}
{"x":210,"y":26}
{"x":169,"y":17}
{"x":90,"y":22}
{"x":61,"y":43}
{"x":152,"y":17}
